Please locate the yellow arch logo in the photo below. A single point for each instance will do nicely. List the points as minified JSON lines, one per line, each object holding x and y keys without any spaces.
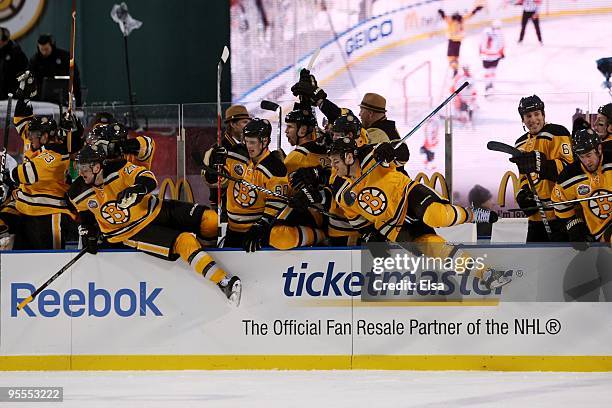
{"x":181,"y":186}
{"x":503,"y":187}
{"x":436,"y":178}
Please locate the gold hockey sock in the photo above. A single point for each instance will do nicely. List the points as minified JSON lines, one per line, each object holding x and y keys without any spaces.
{"x":444,"y":215}
{"x":285,"y":237}
{"x":189,"y":249}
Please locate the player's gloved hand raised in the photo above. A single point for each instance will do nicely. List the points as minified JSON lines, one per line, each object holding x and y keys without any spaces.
{"x":89,"y":238}
{"x":525,"y":199}
{"x":218,"y":156}
{"x":529,"y":162}
{"x":305,"y":197}
{"x":26,"y":88}
{"x":70,"y":123}
{"x":384,"y":152}
{"x":308,"y":88}
{"x":131,"y":196}
{"x":256,"y":236}
{"x":306,"y":176}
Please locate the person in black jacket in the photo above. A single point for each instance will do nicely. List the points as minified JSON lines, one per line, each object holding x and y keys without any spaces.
{"x":12,"y":62}
{"x":50,"y":61}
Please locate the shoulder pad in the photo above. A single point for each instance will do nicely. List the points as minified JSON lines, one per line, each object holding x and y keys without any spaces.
{"x":314,"y":147}
{"x":521,"y":139}
{"x":570,"y":171}
{"x":556,"y":130}
{"x":113,"y":166}
{"x":77,"y":188}
{"x":273,"y":165}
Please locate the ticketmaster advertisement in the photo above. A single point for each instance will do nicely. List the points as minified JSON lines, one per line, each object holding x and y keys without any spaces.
{"x":378,"y":307}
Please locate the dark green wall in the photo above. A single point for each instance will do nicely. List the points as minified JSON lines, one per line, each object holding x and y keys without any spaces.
{"x":173,"y":56}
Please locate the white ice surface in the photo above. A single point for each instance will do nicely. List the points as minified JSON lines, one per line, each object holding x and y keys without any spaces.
{"x":156,"y":389}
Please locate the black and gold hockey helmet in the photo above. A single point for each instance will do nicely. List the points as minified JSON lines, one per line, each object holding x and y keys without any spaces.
{"x":348,"y":123}
{"x":585,"y":140}
{"x":259,"y":128}
{"x":42,"y":124}
{"x":530,"y":104}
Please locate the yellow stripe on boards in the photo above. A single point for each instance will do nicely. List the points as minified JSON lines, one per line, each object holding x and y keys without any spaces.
{"x":307,"y":362}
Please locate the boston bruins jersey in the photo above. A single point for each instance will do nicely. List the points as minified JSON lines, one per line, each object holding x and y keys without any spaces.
{"x":554,"y":141}
{"x":309,"y":154}
{"x":575,"y":182}
{"x":245,"y":205}
{"x":115,"y":223}
{"x":381,"y":198}
{"x":144,"y":152}
{"x":42,"y":179}
{"x":339,"y":225}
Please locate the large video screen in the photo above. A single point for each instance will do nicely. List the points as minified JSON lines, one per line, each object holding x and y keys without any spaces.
{"x":400,"y":50}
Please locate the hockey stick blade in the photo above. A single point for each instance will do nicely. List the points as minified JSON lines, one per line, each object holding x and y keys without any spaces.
{"x":503,"y":147}
{"x":314,"y":57}
{"x":269,"y":105}
{"x":225,"y":54}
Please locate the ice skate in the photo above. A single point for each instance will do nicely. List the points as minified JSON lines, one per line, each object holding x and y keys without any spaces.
{"x":232,"y":288}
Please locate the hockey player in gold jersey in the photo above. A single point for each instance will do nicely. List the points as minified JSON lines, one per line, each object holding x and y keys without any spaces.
{"x":389,"y":206}
{"x":45,"y":216}
{"x":115,"y":199}
{"x":546,"y":149}
{"x":302,"y":225}
{"x":590,"y":175}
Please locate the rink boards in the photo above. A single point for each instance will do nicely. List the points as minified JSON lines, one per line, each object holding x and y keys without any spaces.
{"x":300,"y":310}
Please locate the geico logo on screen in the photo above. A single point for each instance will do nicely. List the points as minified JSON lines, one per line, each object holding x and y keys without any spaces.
{"x":318,"y":283}
{"x":96,"y":302}
{"x":369,"y":35}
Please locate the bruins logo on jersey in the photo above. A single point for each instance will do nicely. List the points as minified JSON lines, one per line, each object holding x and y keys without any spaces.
{"x":244,"y":195}
{"x":373,"y":200}
{"x":239,"y":169}
{"x":601,"y":207}
{"x":113,"y":214}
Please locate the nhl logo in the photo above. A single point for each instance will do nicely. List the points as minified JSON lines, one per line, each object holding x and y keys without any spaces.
{"x":583,"y":189}
{"x":238,"y":169}
{"x":92,"y":204}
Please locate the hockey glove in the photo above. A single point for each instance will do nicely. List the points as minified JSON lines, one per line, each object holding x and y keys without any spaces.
{"x":26,"y":88}
{"x":525,"y":199}
{"x":131,"y":196}
{"x":218,"y":156}
{"x":384,"y":152}
{"x":306,"y":176}
{"x":257,"y":236}
{"x":578,"y":234}
{"x":305,"y":197}
{"x":528,"y":162}
{"x":89,"y":238}
{"x":70,"y":123}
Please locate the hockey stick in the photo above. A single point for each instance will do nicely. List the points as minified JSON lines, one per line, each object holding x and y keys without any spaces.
{"x":258,"y":188}
{"x":348,"y":196}
{"x":552,"y":205}
{"x":71,"y":71}
{"x":7,"y":124}
{"x":30,"y":298}
{"x":514,"y":152}
{"x":223,"y":60}
{"x":271,"y":106}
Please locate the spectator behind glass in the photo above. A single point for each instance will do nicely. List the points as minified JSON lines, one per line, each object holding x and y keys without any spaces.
{"x":50,"y":61}
{"x":12,"y":63}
